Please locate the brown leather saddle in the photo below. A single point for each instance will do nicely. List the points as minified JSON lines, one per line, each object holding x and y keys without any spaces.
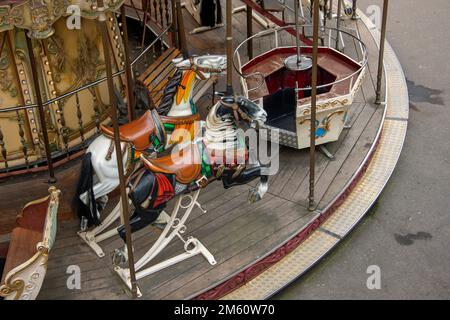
{"x":185,"y":164}
{"x":137,"y":132}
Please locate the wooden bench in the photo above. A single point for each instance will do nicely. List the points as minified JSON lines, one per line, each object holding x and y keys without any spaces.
{"x":27,"y":255}
{"x":159,"y":73}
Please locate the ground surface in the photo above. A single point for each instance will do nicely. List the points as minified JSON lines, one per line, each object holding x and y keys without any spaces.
{"x":407,"y":232}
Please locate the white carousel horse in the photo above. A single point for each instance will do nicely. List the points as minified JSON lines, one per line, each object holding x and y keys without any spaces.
{"x":219,"y":154}
{"x":151,"y":133}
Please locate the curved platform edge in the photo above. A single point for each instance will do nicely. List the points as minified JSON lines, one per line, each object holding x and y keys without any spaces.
{"x":295,"y":257}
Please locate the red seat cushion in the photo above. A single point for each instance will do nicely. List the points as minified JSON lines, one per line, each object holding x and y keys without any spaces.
{"x":21,"y":248}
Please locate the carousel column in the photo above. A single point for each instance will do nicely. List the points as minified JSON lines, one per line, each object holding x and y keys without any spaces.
{"x":117,"y":144}
{"x":40,"y":104}
{"x":381,"y":55}
{"x":128,"y":67}
{"x":312,"y":155}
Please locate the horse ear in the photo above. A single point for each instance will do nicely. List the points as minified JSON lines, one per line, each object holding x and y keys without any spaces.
{"x":177,"y":61}
{"x":143,"y":90}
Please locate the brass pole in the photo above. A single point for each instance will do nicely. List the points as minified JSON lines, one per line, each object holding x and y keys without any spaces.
{"x":250,"y":32}
{"x":381,"y":55}
{"x":37,"y":90}
{"x":312,"y":155}
{"x":181,"y":30}
{"x":128,"y":67}
{"x":117,"y":144}
{"x":338,"y":23}
{"x":229,"y":43}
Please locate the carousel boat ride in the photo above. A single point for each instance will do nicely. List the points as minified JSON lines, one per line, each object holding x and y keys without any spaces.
{"x":280,"y":81}
{"x":211,"y":242}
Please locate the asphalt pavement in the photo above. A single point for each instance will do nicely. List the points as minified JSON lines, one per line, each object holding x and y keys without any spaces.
{"x":407,"y":233}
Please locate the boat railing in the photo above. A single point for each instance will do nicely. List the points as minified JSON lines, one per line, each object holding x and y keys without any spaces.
{"x":70,"y":142}
{"x":284,"y":37}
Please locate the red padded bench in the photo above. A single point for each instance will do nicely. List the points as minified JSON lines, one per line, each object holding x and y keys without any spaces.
{"x":27,"y":254}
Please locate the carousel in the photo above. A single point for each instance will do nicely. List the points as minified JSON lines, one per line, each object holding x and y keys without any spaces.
{"x":186,"y":165}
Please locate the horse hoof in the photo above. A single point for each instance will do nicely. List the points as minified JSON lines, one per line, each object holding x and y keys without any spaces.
{"x":253,"y":196}
{"x":118,"y":258}
{"x":102,"y":202}
{"x":83,"y":224}
{"x":160,"y":226}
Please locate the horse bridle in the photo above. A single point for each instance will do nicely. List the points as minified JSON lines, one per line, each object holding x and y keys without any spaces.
{"x":200,"y":71}
{"x":236,"y":110}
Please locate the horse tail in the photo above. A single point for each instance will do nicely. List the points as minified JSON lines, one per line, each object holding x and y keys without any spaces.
{"x":87,"y":210}
{"x":147,"y":185}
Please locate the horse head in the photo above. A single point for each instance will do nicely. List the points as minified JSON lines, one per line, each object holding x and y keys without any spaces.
{"x":241,"y":108}
{"x":204,"y":66}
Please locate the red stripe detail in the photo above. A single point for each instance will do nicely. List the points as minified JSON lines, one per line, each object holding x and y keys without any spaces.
{"x":165,"y":190}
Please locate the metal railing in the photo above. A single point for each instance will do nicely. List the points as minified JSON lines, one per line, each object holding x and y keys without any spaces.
{"x":284,"y":37}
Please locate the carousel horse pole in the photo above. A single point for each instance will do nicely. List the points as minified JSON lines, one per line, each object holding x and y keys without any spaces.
{"x":150,"y":134}
{"x":123,"y":194}
{"x":220,"y":150}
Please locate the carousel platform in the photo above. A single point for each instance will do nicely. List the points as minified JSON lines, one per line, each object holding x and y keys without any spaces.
{"x":259,"y":248}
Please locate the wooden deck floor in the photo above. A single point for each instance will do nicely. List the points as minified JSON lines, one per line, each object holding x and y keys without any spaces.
{"x":237,"y":233}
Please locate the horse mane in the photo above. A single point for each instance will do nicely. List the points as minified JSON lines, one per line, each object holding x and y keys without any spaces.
{"x":169,"y":94}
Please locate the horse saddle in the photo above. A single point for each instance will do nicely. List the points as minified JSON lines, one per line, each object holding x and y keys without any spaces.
{"x":137,"y":132}
{"x":185,"y":164}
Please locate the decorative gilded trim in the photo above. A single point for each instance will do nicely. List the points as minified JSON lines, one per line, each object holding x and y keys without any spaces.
{"x":38,"y":17}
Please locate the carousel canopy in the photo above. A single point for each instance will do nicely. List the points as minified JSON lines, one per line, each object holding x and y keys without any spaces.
{"x":38,"y":16}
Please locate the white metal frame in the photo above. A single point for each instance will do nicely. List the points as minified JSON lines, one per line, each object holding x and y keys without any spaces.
{"x":175,"y":228}
{"x":98,"y":234}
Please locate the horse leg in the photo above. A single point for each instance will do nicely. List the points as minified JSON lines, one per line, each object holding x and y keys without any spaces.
{"x":257,"y":193}
{"x":140,"y":221}
{"x":247,"y":176}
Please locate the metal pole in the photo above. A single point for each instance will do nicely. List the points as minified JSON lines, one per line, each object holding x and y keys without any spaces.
{"x":229,"y":48}
{"x":174,"y":28}
{"x":117,"y":144}
{"x":381,"y":55}
{"x":338,"y":23}
{"x":145,"y":8}
{"x":330,"y":10}
{"x":128,"y":67}
{"x":181,"y":30}
{"x":312,"y":155}
{"x":250,"y":31}
{"x":354,"y":15}
{"x":297,"y":31}
{"x":40,"y":105}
